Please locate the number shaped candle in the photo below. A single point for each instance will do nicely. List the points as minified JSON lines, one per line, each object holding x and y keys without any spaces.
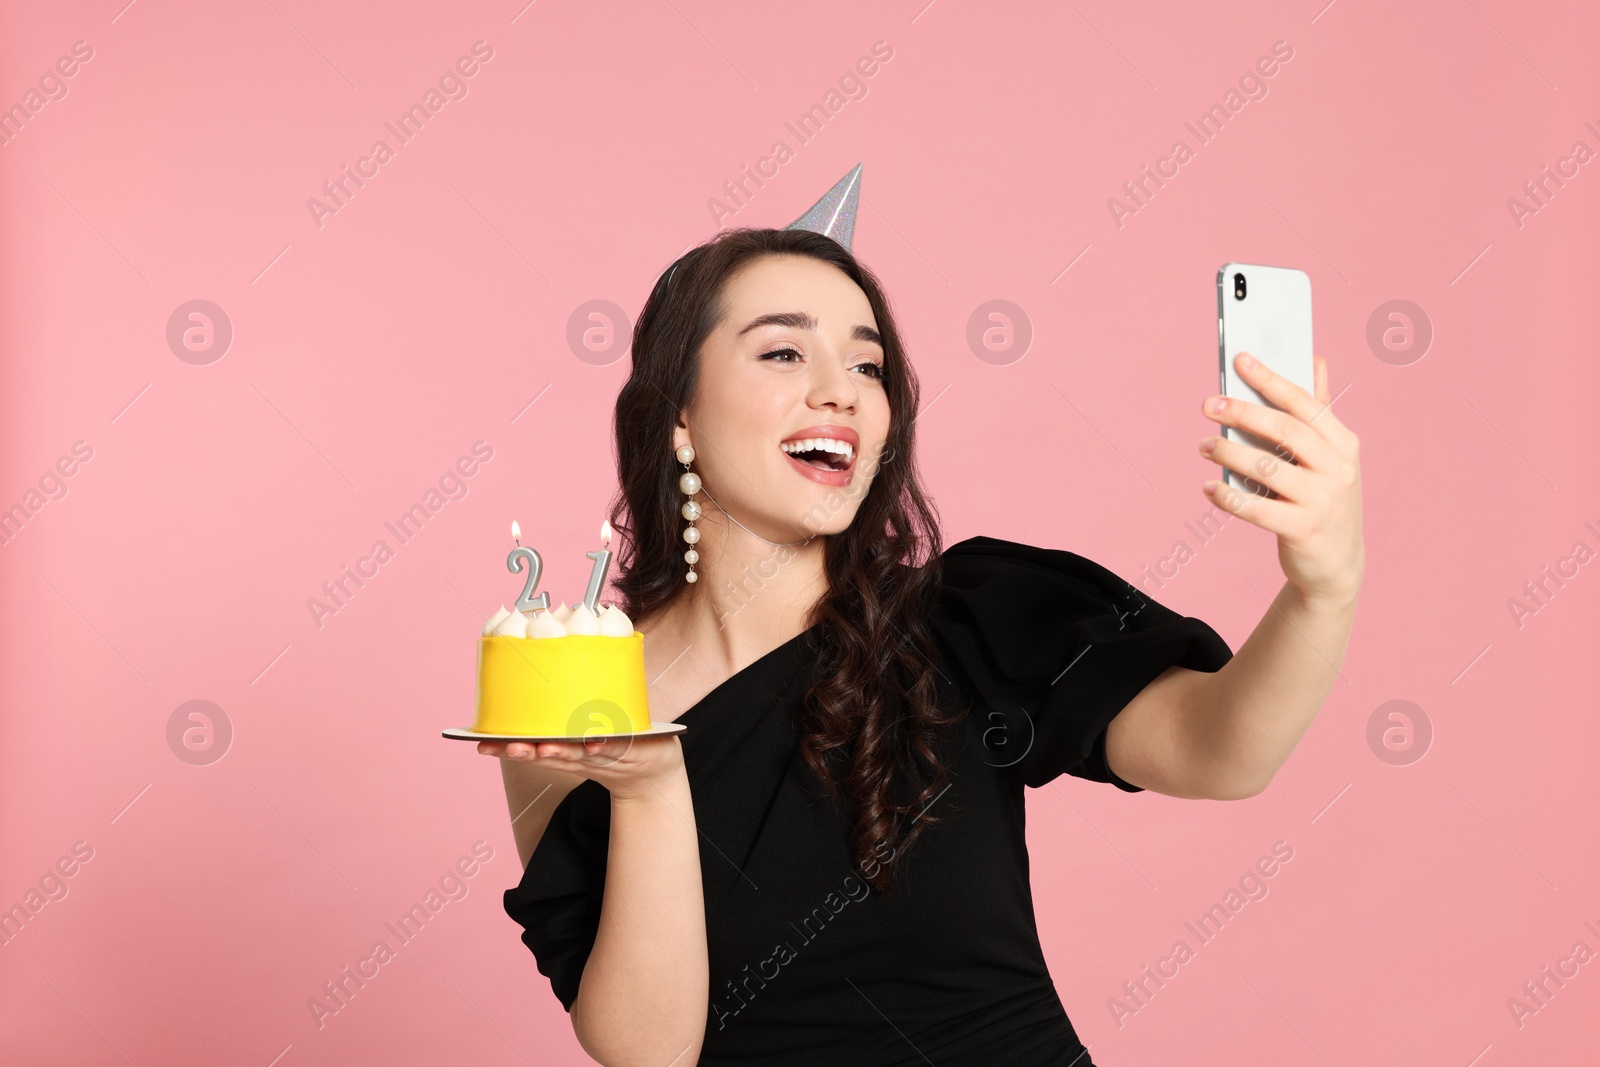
{"x":526,"y":601}
{"x":597,"y":574}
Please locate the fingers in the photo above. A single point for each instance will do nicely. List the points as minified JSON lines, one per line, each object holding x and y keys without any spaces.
{"x":527,"y":750}
{"x":560,"y":750}
{"x":1276,"y":388}
{"x":563,"y":755}
{"x":568,"y":753}
{"x":1275,"y":516}
{"x":1273,"y":471}
{"x":1314,"y":411}
{"x":1289,"y":428}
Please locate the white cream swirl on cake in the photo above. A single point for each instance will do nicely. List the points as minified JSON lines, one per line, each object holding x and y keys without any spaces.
{"x":560,"y":621}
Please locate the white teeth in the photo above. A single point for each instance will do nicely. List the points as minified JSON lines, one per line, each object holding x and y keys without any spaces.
{"x":825,"y":444}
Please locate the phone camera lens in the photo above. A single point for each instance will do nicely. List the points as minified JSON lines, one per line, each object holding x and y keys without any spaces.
{"x":1238,"y":286}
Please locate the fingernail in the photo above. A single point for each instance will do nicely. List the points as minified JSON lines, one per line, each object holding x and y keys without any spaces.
{"x":1207,"y":444}
{"x":1247,"y":361}
{"x":1215,"y":405}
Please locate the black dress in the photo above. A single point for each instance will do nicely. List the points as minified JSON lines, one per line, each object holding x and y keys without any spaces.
{"x":808,"y":964}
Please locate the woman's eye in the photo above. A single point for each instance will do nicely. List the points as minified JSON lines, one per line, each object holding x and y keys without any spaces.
{"x":874,"y":370}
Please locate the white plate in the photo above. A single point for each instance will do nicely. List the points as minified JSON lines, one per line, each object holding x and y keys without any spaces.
{"x":660,"y":729}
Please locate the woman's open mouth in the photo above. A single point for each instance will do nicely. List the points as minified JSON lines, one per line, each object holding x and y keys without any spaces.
{"x":829,"y":460}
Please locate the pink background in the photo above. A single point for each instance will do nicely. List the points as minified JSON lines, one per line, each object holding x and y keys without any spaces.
{"x":372,"y":351}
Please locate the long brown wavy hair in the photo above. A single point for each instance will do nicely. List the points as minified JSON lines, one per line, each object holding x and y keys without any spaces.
{"x":873,"y":705}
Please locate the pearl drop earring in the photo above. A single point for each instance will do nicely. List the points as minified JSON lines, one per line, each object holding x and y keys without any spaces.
{"x":689,"y":485}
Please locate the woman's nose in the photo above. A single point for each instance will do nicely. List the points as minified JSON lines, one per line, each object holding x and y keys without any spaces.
{"x":831,"y":384}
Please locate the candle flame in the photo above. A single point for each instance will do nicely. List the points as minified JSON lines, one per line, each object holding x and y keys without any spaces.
{"x":605,"y":532}
{"x":516,"y":531}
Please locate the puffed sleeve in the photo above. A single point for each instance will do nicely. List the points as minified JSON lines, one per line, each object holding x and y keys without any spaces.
{"x":1066,"y":641}
{"x":557,"y":903}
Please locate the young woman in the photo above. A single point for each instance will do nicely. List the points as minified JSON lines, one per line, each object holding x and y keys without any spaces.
{"x":829,"y":865}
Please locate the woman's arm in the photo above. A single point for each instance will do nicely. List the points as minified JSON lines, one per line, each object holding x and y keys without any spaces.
{"x":532,"y":792}
{"x":1223,"y":735}
{"x":644,"y":995}
{"x":645,"y":990}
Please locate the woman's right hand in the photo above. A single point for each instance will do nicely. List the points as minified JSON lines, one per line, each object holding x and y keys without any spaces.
{"x":628,"y":767}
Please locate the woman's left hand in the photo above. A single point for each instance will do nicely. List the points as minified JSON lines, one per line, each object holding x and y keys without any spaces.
{"x":1317,"y":515}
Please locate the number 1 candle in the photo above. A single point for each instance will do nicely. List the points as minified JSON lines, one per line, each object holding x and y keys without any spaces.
{"x":597,"y":575}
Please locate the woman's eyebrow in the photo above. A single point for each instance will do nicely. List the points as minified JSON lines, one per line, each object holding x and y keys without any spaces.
{"x":800,"y":320}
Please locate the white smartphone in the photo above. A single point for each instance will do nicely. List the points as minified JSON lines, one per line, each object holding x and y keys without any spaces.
{"x":1265,"y":311}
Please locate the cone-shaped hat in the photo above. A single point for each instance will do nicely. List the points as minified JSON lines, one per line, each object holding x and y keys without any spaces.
{"x":835,"y":214}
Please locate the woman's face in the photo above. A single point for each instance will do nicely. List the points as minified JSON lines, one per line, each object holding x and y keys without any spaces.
{"x":796,"y":358}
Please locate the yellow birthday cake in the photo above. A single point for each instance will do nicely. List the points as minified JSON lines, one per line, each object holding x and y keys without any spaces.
{"x":561,"y":672}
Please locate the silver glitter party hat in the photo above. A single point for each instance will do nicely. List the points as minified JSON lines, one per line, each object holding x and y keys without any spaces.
{"x":835,"y":214}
